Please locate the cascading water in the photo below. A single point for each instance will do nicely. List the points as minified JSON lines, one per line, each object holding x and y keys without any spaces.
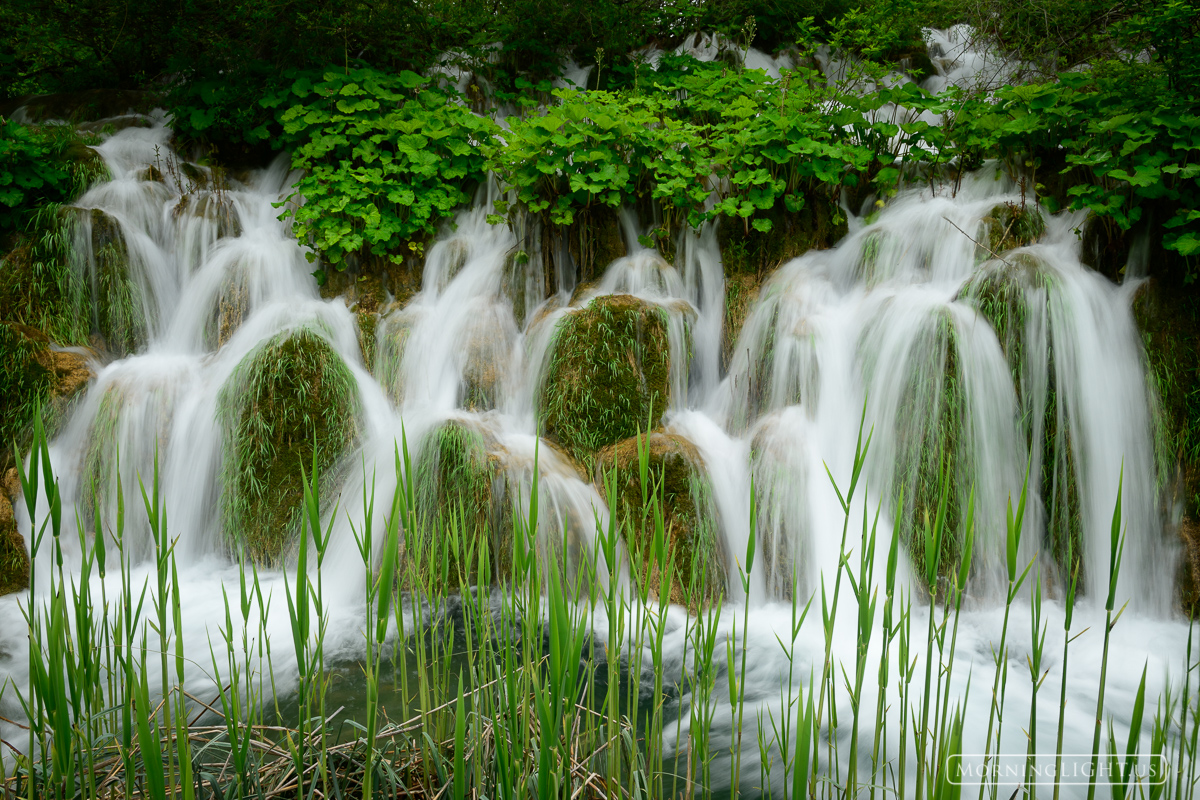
{"x":908,"y":325}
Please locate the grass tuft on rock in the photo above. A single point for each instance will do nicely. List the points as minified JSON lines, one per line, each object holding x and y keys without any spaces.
{"x":933,"y":440}
{"x":14,"y":561}
{"x":460,"y":492}
{"x":291,"y":395}
{"x":694,"y":543}
{"x":1010,"y":225}
{"x":608,"y":374}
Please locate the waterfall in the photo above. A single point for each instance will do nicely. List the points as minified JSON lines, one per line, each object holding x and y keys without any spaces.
{"x":895,"y":327}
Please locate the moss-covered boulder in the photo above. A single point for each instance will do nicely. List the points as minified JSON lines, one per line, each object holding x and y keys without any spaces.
{"x":462,"y":506}
{"x":694,"y":547}
{"x":608,"y":374}
{"x":34,"y":376}
{"x":118,"y":304}
{"x":932,"y":441}
{"x":14,"y":561}
{"x":741,"y":292}
{"x":1009,"y":225}
{"x":1013,"y":296}
{"x":291,"y":395}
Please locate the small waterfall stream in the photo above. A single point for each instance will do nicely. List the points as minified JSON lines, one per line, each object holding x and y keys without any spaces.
{"x":898,"y":319}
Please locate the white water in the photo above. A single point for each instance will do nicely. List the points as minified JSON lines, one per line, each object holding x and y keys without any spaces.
{"x":835,"y":331}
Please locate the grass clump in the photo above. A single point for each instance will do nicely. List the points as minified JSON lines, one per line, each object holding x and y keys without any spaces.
{"x":119,"y":307}
{"x":14,"y":561}
{"x":1012,"y":296}
{"x":693,"y":540}
{"x":608,"y":374}
{"x":289,"y":404}
{"x":933,"y":441}
{"x":1010,"y":225}
{"x":460,"y":491}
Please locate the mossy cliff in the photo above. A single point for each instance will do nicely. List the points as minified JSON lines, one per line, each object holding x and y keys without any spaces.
{"x":693,"y":541}
{"x":1169,"y":320}
{"x":291,"y":395}
{"x":608,"y":374}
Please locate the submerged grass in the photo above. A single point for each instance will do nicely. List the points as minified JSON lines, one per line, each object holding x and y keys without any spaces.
{"x":525,"y":695}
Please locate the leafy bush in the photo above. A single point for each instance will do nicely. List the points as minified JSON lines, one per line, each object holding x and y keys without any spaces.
{"x":386,"y":157}
{"x":1121,"y":155}
{"x":30,"y":172}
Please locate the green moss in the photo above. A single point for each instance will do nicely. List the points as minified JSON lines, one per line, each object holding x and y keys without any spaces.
{"x":291,"y":395}
{"x":460,"y":489}
{"x":119,"y":307}
{"x":608,"y":374}
{"x":25,"y":384}
{"x":741,"y":291}
{"x":1010,"y":225}
{"x":391,"y":337}
{"x":14,"y":561}
{"x":932,"y":441}
{"x":693,"y":539}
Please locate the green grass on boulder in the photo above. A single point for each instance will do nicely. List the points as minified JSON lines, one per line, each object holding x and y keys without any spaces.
{"x":1012,"y":295}
{"x":1010,"y":225}
{"x":290,"y":395}
{"x":14,"y":561}
{"x":608,"y":374}
{"x":693,"y":541}
{"x":461,"y":509}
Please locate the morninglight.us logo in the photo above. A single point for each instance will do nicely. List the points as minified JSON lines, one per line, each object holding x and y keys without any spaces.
{"x":1069,"y":768}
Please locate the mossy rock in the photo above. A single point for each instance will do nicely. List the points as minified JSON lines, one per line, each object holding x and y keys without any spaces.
{"x":92,"y":104}
{"x":391,"y":337}
{"x":14,"y":561}
{"x":1009,"y":225}
{"x":34,"y":376}
{"x":117,"y":297}
{"x":519,"y":285}
{"x":608,"y":375}
{"x":1013,"y":296}
{"x":693,"y":539}
{"x":741,"y":293}
{"x":933,"y":442}
{"x":1001,"y":292}
{"x":460,"y":488}
{"x":1188,"y":577}
{"x":915,"y":62}
{"x":291,"y":395}
{"x":39,"y":285}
